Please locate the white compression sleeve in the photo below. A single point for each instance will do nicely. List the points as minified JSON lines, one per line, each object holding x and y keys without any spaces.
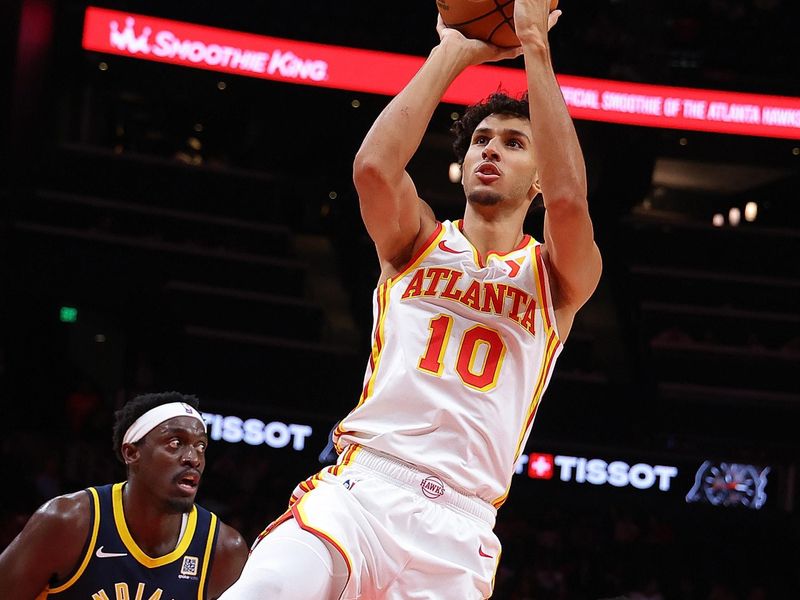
{"x":290,"y":564}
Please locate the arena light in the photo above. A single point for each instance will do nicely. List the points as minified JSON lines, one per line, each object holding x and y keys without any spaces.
{"x":750,"y":211}
{"x":454,"y":172}
{"x":68,"y":314}
{"x":161,"y":40}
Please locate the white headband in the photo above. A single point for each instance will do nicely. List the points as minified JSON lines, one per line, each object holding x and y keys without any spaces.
{"x":155,"y":416}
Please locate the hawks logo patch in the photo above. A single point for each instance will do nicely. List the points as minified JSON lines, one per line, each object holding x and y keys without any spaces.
{"x":432,"y":487}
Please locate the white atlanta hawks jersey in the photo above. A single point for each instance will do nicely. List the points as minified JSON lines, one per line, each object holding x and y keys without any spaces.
{"x":461,"y":355}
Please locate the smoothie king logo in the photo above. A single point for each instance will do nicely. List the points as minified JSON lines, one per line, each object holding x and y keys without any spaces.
{"x":165,"y":44}
{"x":310,"y":63}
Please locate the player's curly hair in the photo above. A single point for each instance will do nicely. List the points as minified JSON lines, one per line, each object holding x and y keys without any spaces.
{"x":498,"y":103}
{"x":135,"y":408}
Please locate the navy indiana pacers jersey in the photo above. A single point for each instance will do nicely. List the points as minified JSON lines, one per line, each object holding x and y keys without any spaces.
{"x":113,"y":567}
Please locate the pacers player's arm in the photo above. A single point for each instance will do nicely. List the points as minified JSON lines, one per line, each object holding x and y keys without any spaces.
{"x":230,"y":555}
{"x":47,"y":549}
{"x":574,"y":262}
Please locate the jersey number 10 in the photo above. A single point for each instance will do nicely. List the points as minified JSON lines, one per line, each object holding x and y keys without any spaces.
{"x":475,"y":342}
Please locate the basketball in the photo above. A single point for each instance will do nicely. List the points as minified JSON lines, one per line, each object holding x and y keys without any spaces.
{"x":488,"y":20}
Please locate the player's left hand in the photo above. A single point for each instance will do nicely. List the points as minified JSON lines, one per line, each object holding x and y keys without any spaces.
{"x":477,"y":51}
{"x":533,"y":19}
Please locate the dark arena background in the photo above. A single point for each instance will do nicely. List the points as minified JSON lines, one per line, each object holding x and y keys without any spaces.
{"x":178,"y":214}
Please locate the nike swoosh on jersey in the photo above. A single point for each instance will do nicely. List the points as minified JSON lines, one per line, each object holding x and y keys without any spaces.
{"x":101,"y":554}
{"x":482,"y":553}
{"x":446,"y":248}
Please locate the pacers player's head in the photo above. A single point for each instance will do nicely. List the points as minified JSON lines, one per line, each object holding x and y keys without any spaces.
{"x":161,"y":438}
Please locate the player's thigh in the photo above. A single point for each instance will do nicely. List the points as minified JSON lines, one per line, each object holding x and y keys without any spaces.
{"x":290,"y":564}
{"x":454,"y":556}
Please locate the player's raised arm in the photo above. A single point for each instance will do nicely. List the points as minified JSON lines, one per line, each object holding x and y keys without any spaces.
{"x":572,"y":254}
{"x":395,"y":217}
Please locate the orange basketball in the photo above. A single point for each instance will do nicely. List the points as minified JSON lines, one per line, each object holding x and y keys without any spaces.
{"x":488,"y":20}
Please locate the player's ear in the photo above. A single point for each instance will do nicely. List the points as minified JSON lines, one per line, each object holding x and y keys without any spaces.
{"x":130,"y":453}
{"x":536,"y":186}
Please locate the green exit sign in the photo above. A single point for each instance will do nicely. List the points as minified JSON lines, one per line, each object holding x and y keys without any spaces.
{"x":68,"y":314}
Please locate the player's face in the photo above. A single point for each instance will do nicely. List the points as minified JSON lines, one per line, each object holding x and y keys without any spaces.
{"x":499,"y":164}
{"x":173,"y":459}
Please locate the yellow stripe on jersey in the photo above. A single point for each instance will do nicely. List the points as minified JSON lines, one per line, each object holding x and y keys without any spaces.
{"x":551,"y":350}
{"x":377,"y":348}
{"x":284,"y":517}
{"x":89,"y":550}
{"x":383,"y":302}
{"x":422,"y":253}
{"x":476,"y":257}
{"x":133,"y":547}
{"x":527,"y":240}
{"x":347,"y":459}
{"x":311,"y":483}
{"x":374,"y":359}
{"x":545,"y":369}
{"x":553,"y":346}
{"x":207,"y":557}
{"x":540,"y":277}
{"x":382,"y":294}
{"x":375,"y":356}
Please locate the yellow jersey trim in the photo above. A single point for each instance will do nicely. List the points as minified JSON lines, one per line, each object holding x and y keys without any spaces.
{"x":297,"y":512}
{"x":133,"y":547}
{"x":95,"y":499}
{"x":212,"y":526}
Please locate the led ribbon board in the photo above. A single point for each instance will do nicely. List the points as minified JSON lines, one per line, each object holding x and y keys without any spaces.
{"x":716,"y":483}
{"x":198,"y":46}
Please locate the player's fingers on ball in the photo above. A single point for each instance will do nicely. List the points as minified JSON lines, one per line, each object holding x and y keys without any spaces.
{"x":553,"y":18}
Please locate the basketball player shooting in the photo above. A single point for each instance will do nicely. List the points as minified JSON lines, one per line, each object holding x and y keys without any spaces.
{"x":470,"y":317}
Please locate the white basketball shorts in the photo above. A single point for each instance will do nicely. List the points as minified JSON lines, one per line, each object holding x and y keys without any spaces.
{"x":402,"y":532}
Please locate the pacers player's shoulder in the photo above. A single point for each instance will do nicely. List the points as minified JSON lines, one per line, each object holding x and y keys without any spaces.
{"x":66,"y":508}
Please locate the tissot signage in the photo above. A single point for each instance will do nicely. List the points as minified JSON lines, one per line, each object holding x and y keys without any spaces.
{"x":597,"y":471}
{"x":255,"y":432}
{"x":715,"y":483}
